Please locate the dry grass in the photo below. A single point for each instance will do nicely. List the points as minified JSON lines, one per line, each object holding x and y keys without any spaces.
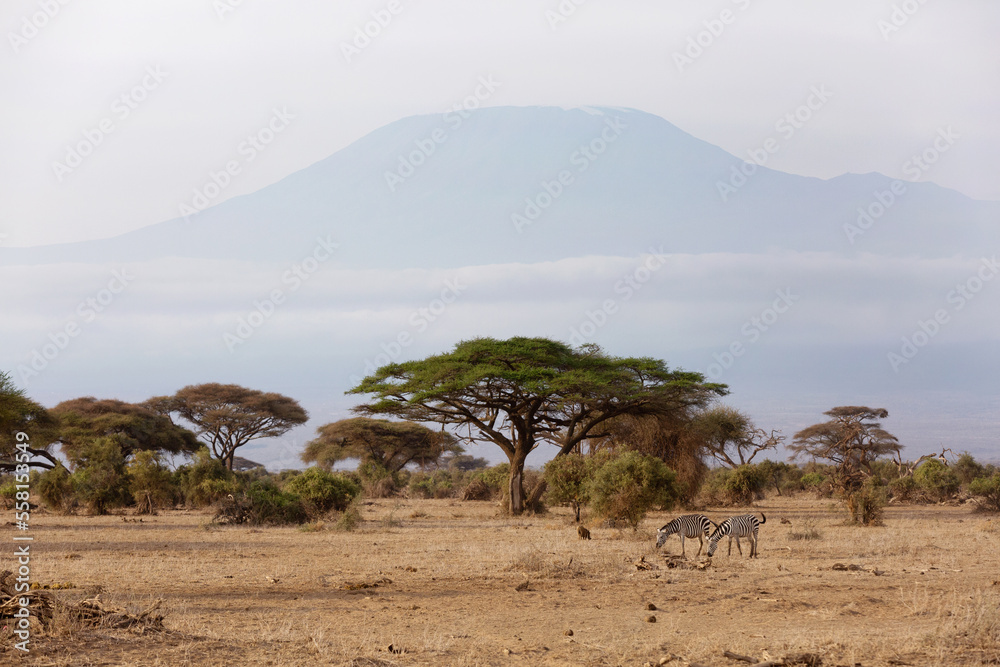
{"x":454,"y":583}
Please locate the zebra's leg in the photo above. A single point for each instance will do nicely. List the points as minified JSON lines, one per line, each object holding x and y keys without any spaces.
{"x":738,"y":545}
{"x":730,"y":553}
{"x":682,"y":545}
{"x":701,"y":543}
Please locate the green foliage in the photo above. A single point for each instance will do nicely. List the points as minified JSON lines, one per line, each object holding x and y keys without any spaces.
{"x":813,"y":480}
{"x":100,"y":480}
{"x":967,"y":468}
{"x":8,"y":492}
{"x":390,"y":444}
{"x":495,"y":477}
{"x":438,"y":484}
{"x":987,"y":492}
{"x":735,"y":486}
{"x":55,"y":489}
{"x":349,"y":519}
{"x":629,"y":485}
{"x":206,"y":480}
{"x":568,"y":479}
{"x":263,"y":503}
{"x":867,"y":505}
{"x":376,"y":480}
{"x":150,"y":483}
{"x":325,"y":490}
{"x":18,"y":413}
{"x":904,"y":489}
{"x":936,"y":479}
{"x":780,"y":475}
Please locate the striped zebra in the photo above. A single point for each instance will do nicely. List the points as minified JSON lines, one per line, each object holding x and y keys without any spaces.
{"x":745,"y":525}
{"x":689,"y":525}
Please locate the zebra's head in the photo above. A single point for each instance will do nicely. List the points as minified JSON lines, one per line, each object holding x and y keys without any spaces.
{"x":721,"y":530}
{"x":662,"y":534}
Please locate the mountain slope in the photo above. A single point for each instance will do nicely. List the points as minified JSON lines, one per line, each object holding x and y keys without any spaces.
{"x":629,"y":180}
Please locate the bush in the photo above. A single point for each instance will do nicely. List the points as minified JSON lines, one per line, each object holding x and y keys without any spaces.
{"x":8,"y":492}
{"x":987,"y":492}
{"x":324,"y":490}
{"x":376,"y":480}
{"x":967,"y":468}
{"x":206,"y":480}
{"x":56,"y":489}
{"x":629,"y":485}
{"x":936,"y":479}
{"x":904,"y":488}
{"x":568,"y":481}
{"x":100,"y":479}
{"x":780,"y":475}
{"x":867,"y":505}
{"x":150,"y":483}
{"x":735,"y":486}
{"x":263,"y":503}
{"x":497,"y":478}
{"x":745,"y":485}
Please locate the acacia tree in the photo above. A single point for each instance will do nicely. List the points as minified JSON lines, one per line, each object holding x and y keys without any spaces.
{"x":852,"y":441}
{"x":134,"y":428}
{"x":229,"y":416}
{"x":20,"y":414}
{"x":731,"y":437}
{"x":520,"y":392}
{"x":391,"y":445}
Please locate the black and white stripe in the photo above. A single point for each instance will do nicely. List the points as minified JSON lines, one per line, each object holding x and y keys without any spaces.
{"x":745,"y":525}
{"x":689,"y":525}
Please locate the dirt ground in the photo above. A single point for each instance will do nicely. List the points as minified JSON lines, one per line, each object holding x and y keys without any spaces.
{"x":442,"y":582}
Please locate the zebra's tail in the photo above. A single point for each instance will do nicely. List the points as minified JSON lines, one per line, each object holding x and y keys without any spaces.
{"x":763,"y":519}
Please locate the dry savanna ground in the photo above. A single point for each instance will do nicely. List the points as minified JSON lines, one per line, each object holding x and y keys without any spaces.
{"x":444,"y":582}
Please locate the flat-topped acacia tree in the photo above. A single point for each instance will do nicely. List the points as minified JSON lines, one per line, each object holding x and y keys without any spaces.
{"x":228,"y":416}
{"x":20,"y":414}
{"x":391,"y":445}
{"x":520,"y":392}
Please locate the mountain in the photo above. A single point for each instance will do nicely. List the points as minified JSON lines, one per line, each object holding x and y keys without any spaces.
{"x":484,"y":187}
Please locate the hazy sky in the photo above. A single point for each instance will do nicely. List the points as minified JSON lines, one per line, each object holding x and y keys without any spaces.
{"x":114,"y":112}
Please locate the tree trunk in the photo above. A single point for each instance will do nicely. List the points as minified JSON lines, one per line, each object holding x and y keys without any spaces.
{"x":537,"y":492}
{"x":516,"y":486}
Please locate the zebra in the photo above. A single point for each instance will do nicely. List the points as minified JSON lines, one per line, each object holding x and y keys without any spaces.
{"x":689,"y":525}
{"x":745,"y":525}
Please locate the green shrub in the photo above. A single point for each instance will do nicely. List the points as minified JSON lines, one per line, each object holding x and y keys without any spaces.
{"x":629,"y":485}
{"x":497,"y":477}
{"x":55,"y":488}
{"x":376,"y":480}
{"x":744,"y":485}
{"x":205,"y":481}
{"x":100,"y":479}
{"x":8,"y":492}
{"x":325,"y":490}
{"x":263,"y":503}
{"x":150,"y":483}
{"x":568,"y":480}
{"x":967,"y":468}
{"x":936,"y":479}
{"x":904,"y":489}
{"x":987,"y":492}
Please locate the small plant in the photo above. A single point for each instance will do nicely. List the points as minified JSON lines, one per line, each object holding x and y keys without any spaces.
{"x":866,"y":505}
{"x":807,"y":531}
{"x":314,"y":527}
{"x":987,"y":492}
{"x":349,"y":519}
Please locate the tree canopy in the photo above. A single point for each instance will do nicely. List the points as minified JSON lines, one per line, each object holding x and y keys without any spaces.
{"x":731,"y":437}
{"x":132,"y":426}
{"x":520,"y":392}
{"x":852,"y":440}
{"x":228,"y":416}
{"x":20,"y":414}
{"x":390,"y":444}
